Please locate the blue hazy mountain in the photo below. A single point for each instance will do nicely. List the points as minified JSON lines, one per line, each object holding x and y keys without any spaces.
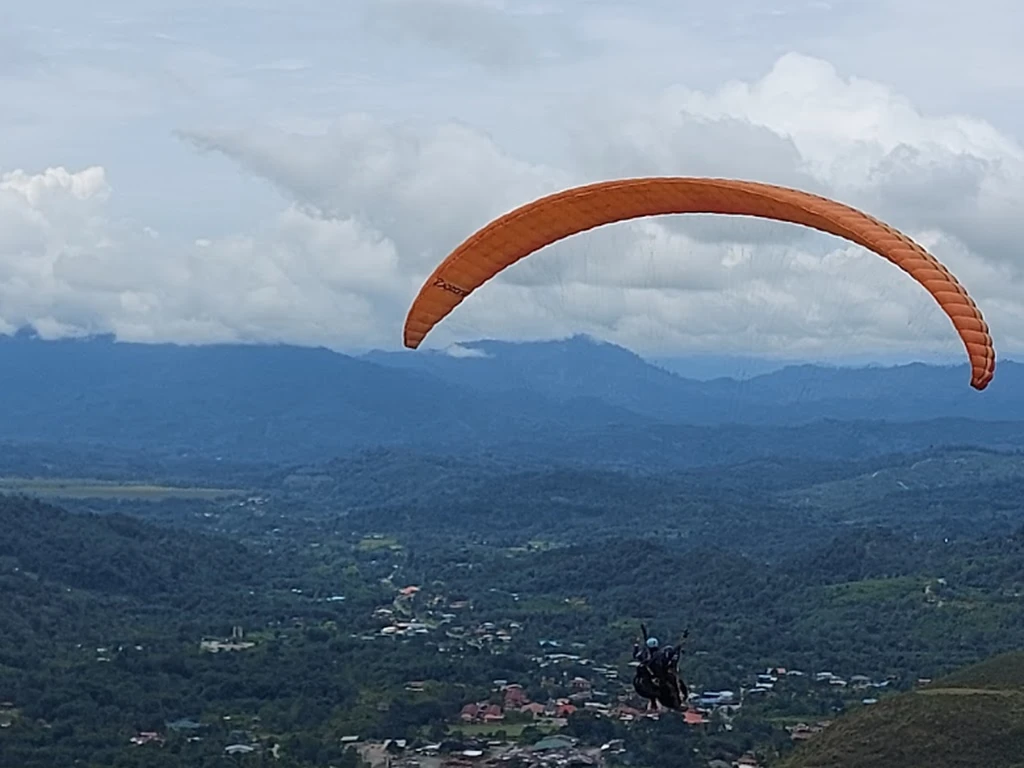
{"x":794,"y":394}
{"x":565,"y":399}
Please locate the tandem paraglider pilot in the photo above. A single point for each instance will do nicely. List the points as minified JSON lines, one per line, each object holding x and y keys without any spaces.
{"x":657,"y":673}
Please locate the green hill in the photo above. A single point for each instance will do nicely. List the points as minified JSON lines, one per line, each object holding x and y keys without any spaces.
{"x":973,"y":717}
{"x":119,"y":555}
{"x":1004,"y":672}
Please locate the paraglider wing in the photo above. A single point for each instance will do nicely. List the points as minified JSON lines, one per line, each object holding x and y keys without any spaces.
{"x":529,"y":228}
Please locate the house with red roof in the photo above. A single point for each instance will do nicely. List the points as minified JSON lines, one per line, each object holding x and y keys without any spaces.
{"x":693,"y":717}
{"x":564,"y":710}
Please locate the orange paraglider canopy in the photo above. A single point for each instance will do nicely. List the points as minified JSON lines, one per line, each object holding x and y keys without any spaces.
{"x":529,"y":228}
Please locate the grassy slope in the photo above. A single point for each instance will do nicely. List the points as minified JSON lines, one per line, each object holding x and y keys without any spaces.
{"x":970,"y":718}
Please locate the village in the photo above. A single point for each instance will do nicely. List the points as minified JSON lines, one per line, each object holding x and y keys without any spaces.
{"x":590,"y":686}
{"x":490,"y":732}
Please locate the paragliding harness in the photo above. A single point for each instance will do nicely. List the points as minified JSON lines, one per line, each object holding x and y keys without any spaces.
{"x":657,"y":674}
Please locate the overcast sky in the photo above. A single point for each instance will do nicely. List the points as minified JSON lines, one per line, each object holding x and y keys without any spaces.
{"x":264,"y":171}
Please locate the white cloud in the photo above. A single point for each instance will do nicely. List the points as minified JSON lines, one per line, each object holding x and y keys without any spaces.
{"x":707,"y":282}
{"x":389,"y":153}
{"x":421,"y":185}
{"x":63,"y":266}
{"x":460,"y":351}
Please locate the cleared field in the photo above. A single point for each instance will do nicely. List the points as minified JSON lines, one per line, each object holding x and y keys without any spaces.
{"x":966,"y":692}
{"x":84,"y":488}
{"x":376,"y":542}
{"x":511,"y":730}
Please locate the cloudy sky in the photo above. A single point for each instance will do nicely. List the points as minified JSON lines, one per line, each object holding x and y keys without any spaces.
{"x":263,"y":171}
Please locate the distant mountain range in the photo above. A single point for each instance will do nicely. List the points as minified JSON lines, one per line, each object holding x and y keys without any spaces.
{"x":580,"y":367}
{"x":575,"y":399}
